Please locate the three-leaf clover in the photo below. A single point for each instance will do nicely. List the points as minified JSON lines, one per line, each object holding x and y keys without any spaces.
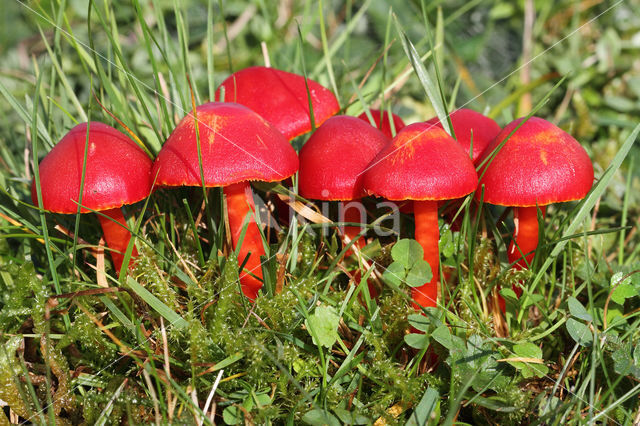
{"x":409,"y":266}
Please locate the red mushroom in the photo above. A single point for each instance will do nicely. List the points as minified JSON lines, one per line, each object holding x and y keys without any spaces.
{"x":117,"y":172}
{"x":469,"y":125}
{"x":280,"y":97}
{"x":237,"y":146}
{"x":538,"y":165}
{"x":332,"y":162}
{"x":383,"y":123}
{"x":423,"y":163}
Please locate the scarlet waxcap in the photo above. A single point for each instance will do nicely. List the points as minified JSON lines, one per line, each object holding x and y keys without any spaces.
{"x":117,"y":171}
{"x":334,"y":157}
{"x":381,"y":118}
{"x":280,"y":97}
{"x":236,"y":144}
{"x":540,"y":164}
{"x":467,"y":122}
{"x":421,"y":163}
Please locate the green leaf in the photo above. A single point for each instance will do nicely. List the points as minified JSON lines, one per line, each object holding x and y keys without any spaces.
{"x":407,"y":252}
{"x":626,"y":360}
{"x":529,"y":369}
{"x":323,"y":325}
{"x":231,"y":415}
{"x":578,"y":310}
{"x":320,"y":417}
{"x":509,"y":294}
{"x":350,"y":418}
{"x":419,"y":322}
{"x":446,"y":245}
{"x":395,"y":274}
{"x":623,"y":292}
{"x":579,"y":332}
{"x":262,"y":399}
{"x":417,"y":340}
{"x":527,"y":350}
{"x":625,"y":288}
{"x":419,"y":274}
{"x":443,"y":336}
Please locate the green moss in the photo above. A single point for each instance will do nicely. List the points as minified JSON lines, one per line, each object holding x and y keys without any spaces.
{"x":97,"y":350}
{"x":155,"y":280}
{"x":130,"y":406}
{"x":16,"y":303}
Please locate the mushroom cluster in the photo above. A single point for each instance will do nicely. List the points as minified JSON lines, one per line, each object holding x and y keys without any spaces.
{"x":245,"y":136}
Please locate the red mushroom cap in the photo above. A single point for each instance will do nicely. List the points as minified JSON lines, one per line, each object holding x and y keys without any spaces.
{"x":467,"y":122}
{"x":280,"y":97}
{"x":422,"y":163}
{"x":381,"y":118}
{"x":540,"y":164}
{"x":236,"y":143}
{"x":117,"y":171}
{"x":332,"y":160}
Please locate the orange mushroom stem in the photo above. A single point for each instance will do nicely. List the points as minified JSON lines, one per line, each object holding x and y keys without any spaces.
{"x":427,"y":235}
{"x":525,"y":238}
{"x":117,"y":235}
{"x":240,"y":208}
{"x":352,"y":215}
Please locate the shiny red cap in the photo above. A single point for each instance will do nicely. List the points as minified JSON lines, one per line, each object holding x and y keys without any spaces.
{"x":117,"y":171}
{"x":332,"y":160}
{"x":540,"y":164}
{"x":422,"y":163}
{"x":280,"y":97}
{"x":466,"y":123}
{"x":236,"y":144}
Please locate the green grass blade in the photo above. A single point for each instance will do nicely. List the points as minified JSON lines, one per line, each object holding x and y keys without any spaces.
{"x":210,"y":58}
{"x":430,"y":87}
{"x":625,"y":211}
{"x":327,"y":55}
{"x":157,"y":305}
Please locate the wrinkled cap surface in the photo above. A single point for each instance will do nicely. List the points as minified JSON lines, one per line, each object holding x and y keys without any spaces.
{"x":381,"y":118}
{"x":332,"y":160}
{"x":540,"y":164}
{"x":117,"y":171}
{"x":280,"y":97}
{"x":466,"y":123}
{"x":236,"y":143}
{"x":422,"y":163}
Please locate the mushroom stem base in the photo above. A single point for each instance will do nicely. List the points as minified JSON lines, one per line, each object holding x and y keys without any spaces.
{"x":117,"y":236}
{"x":525,"y":236}
{"x":524,"y":242}
{"x":241,"y":212}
